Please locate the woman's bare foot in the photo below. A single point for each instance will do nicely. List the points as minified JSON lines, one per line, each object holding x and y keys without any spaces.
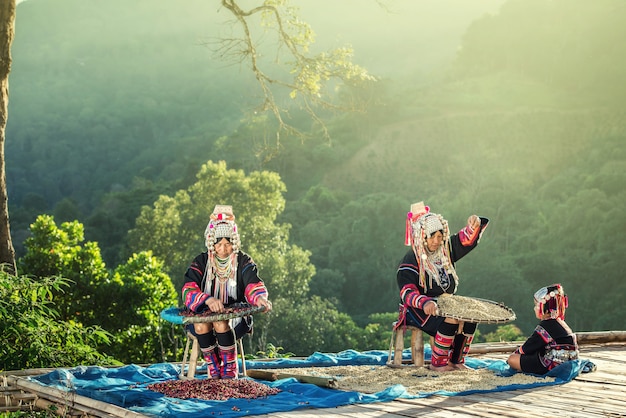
{"x":461,"y":366}
{"x":446,"y":368}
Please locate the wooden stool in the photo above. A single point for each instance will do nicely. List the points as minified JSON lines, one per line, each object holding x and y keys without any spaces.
{"x":396,"y":346}
{"x":192,"y":358}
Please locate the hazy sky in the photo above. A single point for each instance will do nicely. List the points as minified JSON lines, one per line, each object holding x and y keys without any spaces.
{"x":389,"y":37}
{"x":395,"y":36}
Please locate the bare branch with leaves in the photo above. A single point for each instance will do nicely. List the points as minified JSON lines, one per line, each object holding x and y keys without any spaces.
{"x":309,"y":76}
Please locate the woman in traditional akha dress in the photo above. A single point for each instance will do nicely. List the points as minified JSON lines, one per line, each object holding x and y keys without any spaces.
{"x":217,"y":278}
{"x":552,"y":341}
{"x":426,"y":272}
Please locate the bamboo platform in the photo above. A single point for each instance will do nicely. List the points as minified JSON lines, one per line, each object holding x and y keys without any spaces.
{"x":598,"y":394}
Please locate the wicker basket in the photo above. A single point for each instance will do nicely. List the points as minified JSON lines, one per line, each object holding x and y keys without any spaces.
{"x":476,"y":310}
{"x":185,"y":316}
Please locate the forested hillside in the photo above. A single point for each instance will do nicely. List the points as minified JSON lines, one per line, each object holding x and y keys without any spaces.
{"x":544,"y":159}
{"x":130,"y":98}
{"x":106,"y":92}
{"x":509,"y":144}
{"x":520,"y":118}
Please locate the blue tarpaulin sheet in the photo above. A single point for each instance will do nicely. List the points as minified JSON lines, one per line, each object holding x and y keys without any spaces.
{"x":127,"y":386}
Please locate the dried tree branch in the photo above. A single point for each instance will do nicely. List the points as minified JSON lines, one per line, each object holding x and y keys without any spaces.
{"x":311,"y":74}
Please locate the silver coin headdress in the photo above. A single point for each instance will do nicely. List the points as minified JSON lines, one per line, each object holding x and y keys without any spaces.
{"x":551,"y":300}
{"x":220,"y":275}
{"x":421,"y":224}
{"x":222,"y":225}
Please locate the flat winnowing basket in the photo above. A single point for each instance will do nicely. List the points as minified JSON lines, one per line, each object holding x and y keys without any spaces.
{"x":476,"y":310}
{"x":185,"y":316}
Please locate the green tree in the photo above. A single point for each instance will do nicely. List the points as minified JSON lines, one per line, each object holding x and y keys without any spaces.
{"x":66,"y":210}
{"x":127,"y":303}
{"x":505,"y":333}
{"x":312,"y":325}
{"x":173,"y":229}
{"x":377,"y":333}
{"x":140,"y":291}
{"x":116,"y":214}
{"x":7,"y":28}
{"x":33,"y":336}
{"x":61,"y":251}
{"x":355,"y":248}
{"x":328,"y":284}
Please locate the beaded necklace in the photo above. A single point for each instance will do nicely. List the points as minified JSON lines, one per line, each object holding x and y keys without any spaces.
{"x":223,"y":268}
{"x":220,"y":274}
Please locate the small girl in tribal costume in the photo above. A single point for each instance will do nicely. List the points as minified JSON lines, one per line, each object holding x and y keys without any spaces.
{"x":217,"y":278}
{"x":552,"y":342}
{"x":426,"y":272}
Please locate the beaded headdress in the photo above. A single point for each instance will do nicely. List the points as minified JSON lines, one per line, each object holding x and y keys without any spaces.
{"x":222,"y":225}
{"x":420,"y":225}
{"x":551,"y":300}
{"x":220,"y":275}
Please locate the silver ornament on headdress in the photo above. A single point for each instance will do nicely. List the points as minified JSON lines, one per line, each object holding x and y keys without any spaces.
{"x":423,"y":225}
{"x":222,"y":225}
{"x":426,"y":225}
{"x":546,"y":293}
{"x":223,"y":230}
{"x":220,"y":275}
{"x":432,"y":224}
{"x":544,"y":296}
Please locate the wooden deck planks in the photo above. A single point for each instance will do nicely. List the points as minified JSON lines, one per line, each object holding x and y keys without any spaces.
{"x":592,"y":395}
{"x":467,"y":407}
{"x":417,"y":408}
{"x":358,"y":410}
{"x":589,"y":395}
{"x":598,"y":394}
{"x":538,"y":402}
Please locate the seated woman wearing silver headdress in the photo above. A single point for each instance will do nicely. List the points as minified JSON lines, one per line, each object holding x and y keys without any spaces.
{"x":427,"y":272}
{"x":217,"y":278}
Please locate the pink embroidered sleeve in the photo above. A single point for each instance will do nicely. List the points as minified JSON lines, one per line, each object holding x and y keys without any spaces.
{"x":193,"y":297}
{"x":254,"y":291}
{"x":411,"y":296}
{"x":469,"y":236}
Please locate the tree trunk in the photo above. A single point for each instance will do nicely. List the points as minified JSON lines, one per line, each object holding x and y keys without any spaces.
{"x":7,"y":31}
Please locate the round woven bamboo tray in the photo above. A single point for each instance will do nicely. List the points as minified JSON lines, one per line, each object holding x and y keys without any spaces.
{"x":185,"y":316}
{"x":476,"y":310}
